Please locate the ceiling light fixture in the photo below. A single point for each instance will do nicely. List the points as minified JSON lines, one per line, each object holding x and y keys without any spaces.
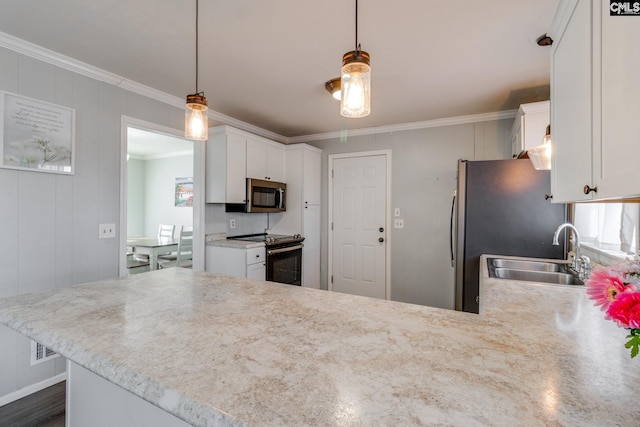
{"x":544,"y":40}
{"x":355,"y":99}
{"x":195,"y":115}
{"x":333,"y":86}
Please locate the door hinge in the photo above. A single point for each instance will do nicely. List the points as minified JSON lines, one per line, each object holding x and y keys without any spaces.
{"x":332,"y":278}
{"x":331,"y":173}
{"x":331,"y":226}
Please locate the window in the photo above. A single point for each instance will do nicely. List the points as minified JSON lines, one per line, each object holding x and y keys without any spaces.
{"x":608,"y":231}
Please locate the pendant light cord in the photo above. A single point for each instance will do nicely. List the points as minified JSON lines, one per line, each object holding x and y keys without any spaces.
{"x":357,"y":45}
{"x":197,"y":2}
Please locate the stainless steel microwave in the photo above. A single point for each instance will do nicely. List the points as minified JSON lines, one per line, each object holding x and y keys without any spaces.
{"x":266,"y":196}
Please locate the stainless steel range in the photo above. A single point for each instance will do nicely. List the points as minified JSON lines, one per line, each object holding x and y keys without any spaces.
{"x":284,"y":256}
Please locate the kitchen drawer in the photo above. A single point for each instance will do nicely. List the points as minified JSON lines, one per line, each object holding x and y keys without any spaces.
{"x":255,"y":255}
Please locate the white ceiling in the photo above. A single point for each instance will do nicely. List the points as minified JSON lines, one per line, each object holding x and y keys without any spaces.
{"x":146,"y":145}
{"x":265,"y":62}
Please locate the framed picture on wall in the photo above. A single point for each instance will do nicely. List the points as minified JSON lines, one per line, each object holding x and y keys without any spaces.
{"x":184,"y":192}
{"x":36,"y":135}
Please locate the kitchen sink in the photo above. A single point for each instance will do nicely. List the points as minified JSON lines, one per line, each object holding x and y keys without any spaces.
{"x":532,"y":271}
{"x":524,"y":265}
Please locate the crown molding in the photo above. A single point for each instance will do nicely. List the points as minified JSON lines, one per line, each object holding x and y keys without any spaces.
{"x":54,"y":58}
{"x":161,"y":155}
{"x":65,"y":62}
{"x":449,"y":121}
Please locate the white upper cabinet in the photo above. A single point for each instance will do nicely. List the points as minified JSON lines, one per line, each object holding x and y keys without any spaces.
{"x":234,"y":155}
{"x":594,"y":103}
{"x":529,"y":127}
{"x":265,"y":159}
{"x":225,"y":166}
{"x":617,"y":158}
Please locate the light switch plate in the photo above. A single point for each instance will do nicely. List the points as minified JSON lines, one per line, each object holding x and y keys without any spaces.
{"x":107,"y":231}
{"x":398,"y":223}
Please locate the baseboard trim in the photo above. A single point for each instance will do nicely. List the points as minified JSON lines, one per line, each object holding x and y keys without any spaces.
{"x":33,"y":388}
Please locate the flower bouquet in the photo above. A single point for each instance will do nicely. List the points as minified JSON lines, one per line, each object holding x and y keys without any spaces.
{"x":615,"y":290}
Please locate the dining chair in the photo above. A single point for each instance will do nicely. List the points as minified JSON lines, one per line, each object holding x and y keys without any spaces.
{"x":166,"y":231}
{"x":184,"y":256}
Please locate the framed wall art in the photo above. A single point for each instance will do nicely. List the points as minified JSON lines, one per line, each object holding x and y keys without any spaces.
{"x":184,"y":192}
{"x":36,"y":135}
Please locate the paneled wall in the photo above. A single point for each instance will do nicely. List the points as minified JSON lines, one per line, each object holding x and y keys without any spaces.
{"x":424,"y":166}
{"x":49,"y":222}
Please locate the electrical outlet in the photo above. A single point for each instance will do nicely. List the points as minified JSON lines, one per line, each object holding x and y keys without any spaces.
{"x":107,"y":231}
{"x":396,"y":212}
{"x":232,"y":223}
{"x":398,"y":223}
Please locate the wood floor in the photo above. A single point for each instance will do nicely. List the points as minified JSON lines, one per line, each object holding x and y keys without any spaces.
{"x":42,"y":409}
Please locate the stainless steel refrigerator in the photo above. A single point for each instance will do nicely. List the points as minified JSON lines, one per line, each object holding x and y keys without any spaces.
{"x":500,"y":207}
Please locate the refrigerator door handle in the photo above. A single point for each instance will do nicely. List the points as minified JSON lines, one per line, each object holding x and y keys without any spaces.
{"x":451,"y":221}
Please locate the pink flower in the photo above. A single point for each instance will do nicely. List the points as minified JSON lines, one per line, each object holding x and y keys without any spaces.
{"x":603,"y":287}
{"x":625,"y":310}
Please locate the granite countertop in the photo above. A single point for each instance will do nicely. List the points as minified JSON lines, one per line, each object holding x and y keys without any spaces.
{"x":233,"y":351}
{"x":221,"y":240}
{"x":235,"y":244}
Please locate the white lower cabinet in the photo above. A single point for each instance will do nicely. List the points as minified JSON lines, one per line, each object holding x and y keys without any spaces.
{"x":250,"y":263}
{"x":94,"y":401}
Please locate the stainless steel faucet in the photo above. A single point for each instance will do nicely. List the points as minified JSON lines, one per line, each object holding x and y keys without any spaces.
{"x":581,"y":263}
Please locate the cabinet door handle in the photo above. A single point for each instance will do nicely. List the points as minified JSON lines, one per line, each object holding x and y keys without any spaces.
{"x":548,"y":196}
{"x":588,"y":189}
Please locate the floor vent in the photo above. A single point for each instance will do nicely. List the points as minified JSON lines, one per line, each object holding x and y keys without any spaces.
{"x":40,"y":353}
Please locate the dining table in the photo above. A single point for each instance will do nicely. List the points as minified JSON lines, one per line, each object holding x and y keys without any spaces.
{"x":152,"y":246}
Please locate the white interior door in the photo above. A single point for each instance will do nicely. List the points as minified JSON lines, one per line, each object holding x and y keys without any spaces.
{"x":359,"y":235}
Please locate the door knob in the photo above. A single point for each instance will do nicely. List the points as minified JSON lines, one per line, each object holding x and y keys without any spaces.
{"x":381,"y":240}
{"x":381,"y":229}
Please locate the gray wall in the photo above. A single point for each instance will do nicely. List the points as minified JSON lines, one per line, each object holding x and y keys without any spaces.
{"x":160,"y":180}
{"x":150,"y":194}
{"x":49,"y":222}
{"x":217,"y":221}
{"x":424,"y":165}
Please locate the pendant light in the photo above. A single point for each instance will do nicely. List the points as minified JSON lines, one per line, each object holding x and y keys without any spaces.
{"x":355,"y":84}
{"x":540,"y":155}
{"x":196,"y":124}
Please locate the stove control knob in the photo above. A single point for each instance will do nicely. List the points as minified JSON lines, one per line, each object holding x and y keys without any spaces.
{"x":297,"y":236}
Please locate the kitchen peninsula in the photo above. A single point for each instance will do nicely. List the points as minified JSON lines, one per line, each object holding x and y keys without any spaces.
{"x":219,"y":350}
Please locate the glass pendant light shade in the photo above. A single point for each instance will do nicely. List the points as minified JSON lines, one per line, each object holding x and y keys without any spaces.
{"x":355,"y":84}
{"x":196,"y":123}
{"x":540,"y":155}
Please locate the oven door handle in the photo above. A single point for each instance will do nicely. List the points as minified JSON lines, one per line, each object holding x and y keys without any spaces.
{"x":288,"y":249}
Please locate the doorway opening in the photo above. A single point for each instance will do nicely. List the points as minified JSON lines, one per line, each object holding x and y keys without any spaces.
{"x":162,"y":178}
